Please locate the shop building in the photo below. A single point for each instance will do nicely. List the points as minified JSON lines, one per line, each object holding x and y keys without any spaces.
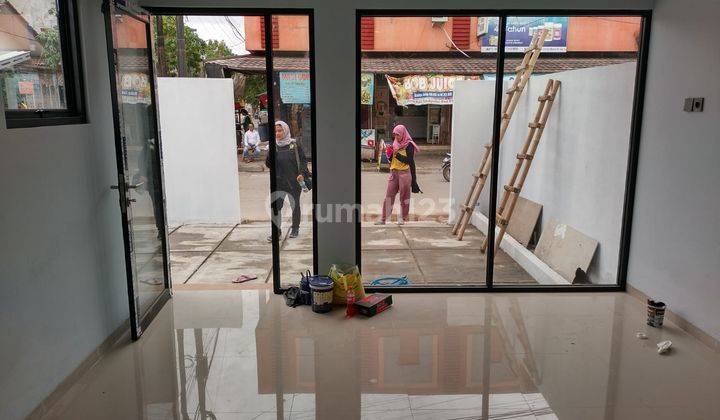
{"x":409,"y":64}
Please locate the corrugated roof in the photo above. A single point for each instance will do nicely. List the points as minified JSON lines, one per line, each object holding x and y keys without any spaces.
{"x":422,"y":65}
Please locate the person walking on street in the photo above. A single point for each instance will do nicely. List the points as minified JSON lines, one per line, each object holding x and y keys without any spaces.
{"x":403,"y":178}
{"x":291,"y":174}
{"x":251,"y":144}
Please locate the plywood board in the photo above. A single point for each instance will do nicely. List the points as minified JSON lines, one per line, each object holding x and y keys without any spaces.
{"x":524,"y":219}
{"x":565,"y":249}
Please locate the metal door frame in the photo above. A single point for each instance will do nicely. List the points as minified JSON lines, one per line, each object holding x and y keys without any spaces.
{"x":138,"y":322}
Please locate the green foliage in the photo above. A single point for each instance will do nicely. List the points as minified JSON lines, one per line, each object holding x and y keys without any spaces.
{"x":254,"y":85}
{"x":49,"y":39}
{"x":196,"y":49}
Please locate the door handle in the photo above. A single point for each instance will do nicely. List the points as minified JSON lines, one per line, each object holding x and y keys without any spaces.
{"x":129,"y":186}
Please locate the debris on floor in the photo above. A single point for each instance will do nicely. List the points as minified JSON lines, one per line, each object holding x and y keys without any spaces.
{"x":664,"y":346}
{"x":243,"y":278}
{"x":372,"y":305}
{"x":641,"y":335}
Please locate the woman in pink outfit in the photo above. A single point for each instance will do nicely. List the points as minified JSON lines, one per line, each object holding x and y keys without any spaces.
{"x":402,"y":174}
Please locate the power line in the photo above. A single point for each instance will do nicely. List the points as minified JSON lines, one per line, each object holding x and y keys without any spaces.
{"x":235,"y":29}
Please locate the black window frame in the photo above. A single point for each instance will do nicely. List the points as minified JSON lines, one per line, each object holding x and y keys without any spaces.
{"x":69,"y":31}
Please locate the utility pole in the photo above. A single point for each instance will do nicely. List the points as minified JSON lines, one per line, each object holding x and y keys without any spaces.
{"x":162,"y":59}
{"x":180,"y":31}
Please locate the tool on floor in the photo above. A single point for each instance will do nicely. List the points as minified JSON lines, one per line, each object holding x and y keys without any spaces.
{"x":522,"y":75}
{"x":524,"y":161}
{"x":243,"y":278}
{"x":391,"y":281}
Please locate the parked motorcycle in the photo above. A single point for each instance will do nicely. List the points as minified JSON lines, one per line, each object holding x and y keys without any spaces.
{"x":446,"y":167}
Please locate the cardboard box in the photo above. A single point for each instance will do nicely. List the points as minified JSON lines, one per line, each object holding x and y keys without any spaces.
{"x":373,"y":304}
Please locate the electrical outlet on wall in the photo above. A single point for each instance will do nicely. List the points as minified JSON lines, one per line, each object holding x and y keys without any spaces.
{"x":694,"y":104}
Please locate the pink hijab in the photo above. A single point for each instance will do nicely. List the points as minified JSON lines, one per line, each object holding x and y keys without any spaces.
{"x":405,"y":139}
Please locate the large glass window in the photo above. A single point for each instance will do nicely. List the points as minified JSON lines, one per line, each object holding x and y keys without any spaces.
{"x":552,"y":147}
{"x":39,"y":64}
{"x":563,"y":158}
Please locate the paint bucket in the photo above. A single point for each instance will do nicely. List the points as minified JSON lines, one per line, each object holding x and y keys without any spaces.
{"x":655,"y":313}
{"x":322,"y":293}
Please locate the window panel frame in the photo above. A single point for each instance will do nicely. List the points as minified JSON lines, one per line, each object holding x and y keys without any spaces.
{"x":69,"y":33}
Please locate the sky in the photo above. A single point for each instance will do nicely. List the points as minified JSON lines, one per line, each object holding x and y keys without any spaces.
{"x":218,"y":28}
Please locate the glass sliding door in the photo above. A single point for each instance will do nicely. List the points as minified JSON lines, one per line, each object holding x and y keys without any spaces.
{"x":540,"y":117}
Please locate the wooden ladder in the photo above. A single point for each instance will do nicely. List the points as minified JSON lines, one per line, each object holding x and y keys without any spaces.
{"x":524,"y":161}
{"x":523,"y":72}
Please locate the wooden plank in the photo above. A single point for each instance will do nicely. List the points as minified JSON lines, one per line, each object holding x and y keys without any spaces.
{"x":524,"y":219}
{"x":565,"y":249}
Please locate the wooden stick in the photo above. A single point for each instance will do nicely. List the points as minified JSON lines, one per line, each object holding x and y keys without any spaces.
{"x":513,"y":97}
{"x":524,"y":161}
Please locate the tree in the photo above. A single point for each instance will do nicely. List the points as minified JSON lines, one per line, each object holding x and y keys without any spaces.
{"x":255,"y":84}
{"x":49,"y":39}
{"x":196,"y":49}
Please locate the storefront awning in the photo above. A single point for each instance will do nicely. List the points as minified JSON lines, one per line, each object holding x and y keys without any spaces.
{"x":422,"y":65}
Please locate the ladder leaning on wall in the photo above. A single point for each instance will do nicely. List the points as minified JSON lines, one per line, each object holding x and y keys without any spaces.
{"x":522,"y":75}
{"x":524,"y":161}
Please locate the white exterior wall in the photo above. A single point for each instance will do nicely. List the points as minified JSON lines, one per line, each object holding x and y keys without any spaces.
{"x":199,"y":150}
{"x":579,"y":170}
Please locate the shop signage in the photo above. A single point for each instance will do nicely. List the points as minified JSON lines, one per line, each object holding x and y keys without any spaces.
{"x":367,"y":88}
{"x":367,"y":137}
{"x":26,"y":88}
{"x":294,"y":87}
{"x":520,"y":31}
{"x":424,"y":90}
{"x":135,"y":88}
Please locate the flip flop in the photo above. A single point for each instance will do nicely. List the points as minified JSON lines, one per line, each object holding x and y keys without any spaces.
{"x":243,"y":278}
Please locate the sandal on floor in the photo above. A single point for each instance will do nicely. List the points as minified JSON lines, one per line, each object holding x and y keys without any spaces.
{"x":243,"y":278}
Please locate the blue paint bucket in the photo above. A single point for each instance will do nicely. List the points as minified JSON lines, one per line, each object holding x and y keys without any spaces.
{"x":321,"y":288}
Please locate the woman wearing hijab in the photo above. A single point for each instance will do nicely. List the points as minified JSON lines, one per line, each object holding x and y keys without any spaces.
{"x":403,"y":178}
{"x":290,"y":167}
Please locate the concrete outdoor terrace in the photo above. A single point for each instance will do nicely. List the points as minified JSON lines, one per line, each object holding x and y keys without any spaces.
{"x":425,"y":251}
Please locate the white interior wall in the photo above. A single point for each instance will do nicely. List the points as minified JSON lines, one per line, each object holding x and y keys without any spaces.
{"x":199,"y":150}
{"x":62,"y":271}
{"x":578,"y":172}
{"x":675,"y":248}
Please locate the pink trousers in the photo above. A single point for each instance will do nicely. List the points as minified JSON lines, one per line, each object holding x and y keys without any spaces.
{"x":400,"y":181}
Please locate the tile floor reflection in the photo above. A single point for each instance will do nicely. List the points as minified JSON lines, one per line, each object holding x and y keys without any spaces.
{"x":245,"y":355}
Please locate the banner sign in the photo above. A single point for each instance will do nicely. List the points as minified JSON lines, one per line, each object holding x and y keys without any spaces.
{"x":520,"y":31}
{"x":135,"y":88}
{"x":434,"y":89}
{"x":367,"y":137}
{"x":367,"y":88}
{"x":294,"y":87}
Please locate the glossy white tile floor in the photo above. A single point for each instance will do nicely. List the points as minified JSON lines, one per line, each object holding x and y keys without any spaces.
{"x":245,"y":355}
